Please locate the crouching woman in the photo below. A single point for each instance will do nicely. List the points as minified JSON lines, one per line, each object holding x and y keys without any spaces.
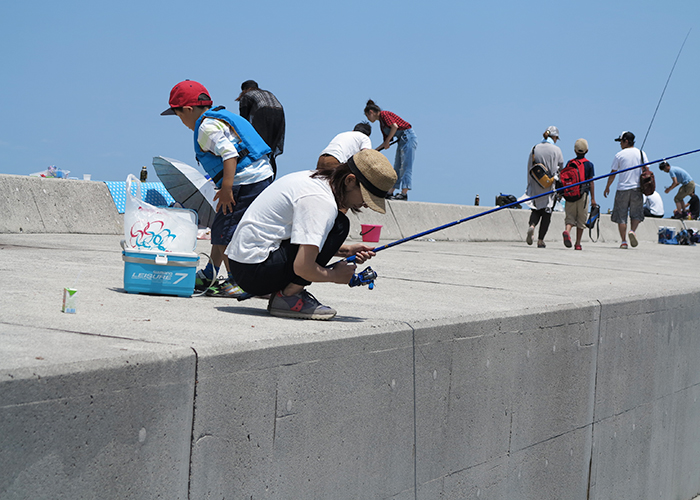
{"x":298,"y":224}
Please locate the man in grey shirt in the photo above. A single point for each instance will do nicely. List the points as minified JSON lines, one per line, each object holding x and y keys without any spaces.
{"x":547,"y":154}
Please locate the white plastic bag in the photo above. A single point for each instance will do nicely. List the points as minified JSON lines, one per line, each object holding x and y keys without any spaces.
{"x":153,"y":228}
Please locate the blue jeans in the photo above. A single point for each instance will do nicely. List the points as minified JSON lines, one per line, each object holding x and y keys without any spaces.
{"x":405,"y":154}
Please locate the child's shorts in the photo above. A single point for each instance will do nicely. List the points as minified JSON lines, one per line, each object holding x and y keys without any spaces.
{"x":225,"y":225}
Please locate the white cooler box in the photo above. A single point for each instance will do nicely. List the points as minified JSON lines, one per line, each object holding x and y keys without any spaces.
{"x":166,"y":273}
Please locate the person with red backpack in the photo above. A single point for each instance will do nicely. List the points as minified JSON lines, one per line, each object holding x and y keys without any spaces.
{"x":576,"y":207}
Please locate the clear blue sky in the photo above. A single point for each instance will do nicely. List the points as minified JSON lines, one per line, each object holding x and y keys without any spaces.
{"x":83,"y":83}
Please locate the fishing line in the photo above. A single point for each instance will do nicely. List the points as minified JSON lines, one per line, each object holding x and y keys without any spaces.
{"x":664,"y":91}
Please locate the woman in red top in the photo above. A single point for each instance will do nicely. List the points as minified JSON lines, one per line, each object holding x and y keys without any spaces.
{"x":394,"y":127}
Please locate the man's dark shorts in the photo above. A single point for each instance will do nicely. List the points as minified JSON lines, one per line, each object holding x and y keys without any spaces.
{"x":224,"y":226}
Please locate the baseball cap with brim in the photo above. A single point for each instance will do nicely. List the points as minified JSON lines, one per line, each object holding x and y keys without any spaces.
{"x":553,"y":131}
{"x":626,"y":136}
{"x":375,"y":175}
{"x":581,"y":146}
{"x":187,"y":93}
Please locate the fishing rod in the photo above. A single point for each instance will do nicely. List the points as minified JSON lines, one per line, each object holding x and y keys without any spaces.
{"x":390,"y":144}
{"x":367,"y":276}
{"x":664,"y":91}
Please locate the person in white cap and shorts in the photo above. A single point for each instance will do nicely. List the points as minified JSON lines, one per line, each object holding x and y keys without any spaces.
{"x":628,"y":197}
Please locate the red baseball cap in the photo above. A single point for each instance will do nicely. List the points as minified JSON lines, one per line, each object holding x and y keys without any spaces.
{"x":187,"y":93}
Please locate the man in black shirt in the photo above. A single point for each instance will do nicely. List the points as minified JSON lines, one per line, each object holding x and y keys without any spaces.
{"x":262,"y":109}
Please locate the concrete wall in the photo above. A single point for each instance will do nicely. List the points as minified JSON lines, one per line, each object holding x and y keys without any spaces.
{"x":38,"y":205}
{"x":115,"y":427}
{"x":596,"y":401}
{"x":404,"y":219}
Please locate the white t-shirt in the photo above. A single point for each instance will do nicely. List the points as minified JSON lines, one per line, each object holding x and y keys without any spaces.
{"x":294,"y":207}
{"x":654,"y":203}
{"x":628,"y":157}
{"x":346,"y":144}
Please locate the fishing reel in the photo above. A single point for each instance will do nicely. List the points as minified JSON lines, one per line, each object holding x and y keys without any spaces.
{"x":365,"y":277}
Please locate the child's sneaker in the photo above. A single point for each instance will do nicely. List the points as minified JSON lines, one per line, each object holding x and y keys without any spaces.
{"x":302,"y":305}
{"x":201,"y":281}
{"x":225,"y":289}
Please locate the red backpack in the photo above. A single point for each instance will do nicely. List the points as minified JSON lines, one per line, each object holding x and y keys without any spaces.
{"x":573,"y":172}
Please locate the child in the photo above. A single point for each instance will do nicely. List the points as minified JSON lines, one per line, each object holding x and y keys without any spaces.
{"x":235,"y":157}
{"x":577,"y":209}
{"x":393,"y":126}
{"x":294,"y":228}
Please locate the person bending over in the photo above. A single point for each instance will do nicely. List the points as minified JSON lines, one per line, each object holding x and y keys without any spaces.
{"x":293,"y":229}
{"x":344,"y":145}
{"x":394,"y":127}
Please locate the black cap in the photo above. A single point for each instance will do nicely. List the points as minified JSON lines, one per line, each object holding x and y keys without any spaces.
{"x":249,"y":84}
{"x":626,"y":136}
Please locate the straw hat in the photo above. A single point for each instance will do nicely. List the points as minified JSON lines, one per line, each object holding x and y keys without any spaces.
{"x":375,"y":175}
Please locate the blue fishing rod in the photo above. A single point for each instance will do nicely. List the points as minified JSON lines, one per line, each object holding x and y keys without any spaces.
{"x":367,"y":276}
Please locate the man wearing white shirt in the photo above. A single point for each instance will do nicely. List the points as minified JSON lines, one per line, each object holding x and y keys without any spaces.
{"x":628,"y":198}
{"x":344,"y":146}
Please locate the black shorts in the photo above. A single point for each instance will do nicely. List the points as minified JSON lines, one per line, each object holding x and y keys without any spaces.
{"x":277,"y":271}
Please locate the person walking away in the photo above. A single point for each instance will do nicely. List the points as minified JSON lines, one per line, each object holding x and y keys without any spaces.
{"x":653,"y":205}
{"x":549,"y":156}
{"x":393,"y":126}
{"x":235,"y":157}
{"x":628,"y":197}
{"x":264,"y":111}
{"x":576,"y":207}
{"x":679,"y":177}
{"x":292,"y":230}
{"x":344,"y":146}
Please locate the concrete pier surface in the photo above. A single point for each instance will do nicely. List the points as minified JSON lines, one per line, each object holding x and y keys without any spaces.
{"x":474,"y":369}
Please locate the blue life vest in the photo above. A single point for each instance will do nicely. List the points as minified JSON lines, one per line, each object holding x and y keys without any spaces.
{"x":250,"y":148}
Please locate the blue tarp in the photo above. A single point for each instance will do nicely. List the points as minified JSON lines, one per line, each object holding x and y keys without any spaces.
{"x":151,"y":192}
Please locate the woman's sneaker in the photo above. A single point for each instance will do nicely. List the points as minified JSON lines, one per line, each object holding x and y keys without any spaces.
{"x":302,"y":305}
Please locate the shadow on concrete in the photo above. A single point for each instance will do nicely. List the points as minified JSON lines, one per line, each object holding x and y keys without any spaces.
{"x":263,"y":312}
